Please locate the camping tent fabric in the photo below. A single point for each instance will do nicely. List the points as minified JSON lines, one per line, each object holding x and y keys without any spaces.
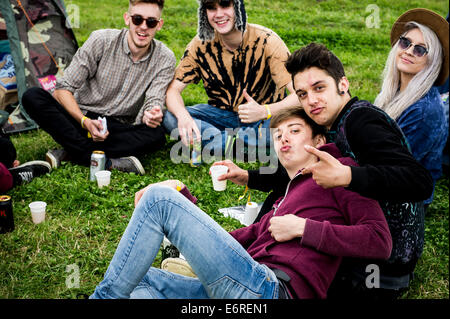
{"x":35,"y":48}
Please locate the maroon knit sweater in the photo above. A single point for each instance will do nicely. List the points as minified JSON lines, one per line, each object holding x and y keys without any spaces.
{"x":339,"y":223}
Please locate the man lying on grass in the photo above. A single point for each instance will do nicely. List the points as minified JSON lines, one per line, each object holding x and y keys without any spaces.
{"x":250,"y":262}
{"x":386,"y":171}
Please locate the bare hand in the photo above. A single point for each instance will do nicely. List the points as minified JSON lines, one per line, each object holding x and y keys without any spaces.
{"x":173,"y":183}
{"x":153,"y":117}
{"x":287,"y":227}
{"x":188,"y":131}
{"x":235,"y":174}
{"x":328,"y":172}
{"x":251,"y":111}
{"x":95,"y":127}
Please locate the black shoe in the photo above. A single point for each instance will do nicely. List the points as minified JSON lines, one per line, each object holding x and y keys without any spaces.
{"x":26,"y":172}
{"x":170,"y":251}
{"x":56,"y":156}
{"x":128,"y":164}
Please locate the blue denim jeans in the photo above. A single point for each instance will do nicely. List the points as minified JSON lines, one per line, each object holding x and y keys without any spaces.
{"x":217,"y":125}
{"x":224,"y":268}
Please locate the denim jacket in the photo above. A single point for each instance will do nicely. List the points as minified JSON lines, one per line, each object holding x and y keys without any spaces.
{"x":426,"y":129}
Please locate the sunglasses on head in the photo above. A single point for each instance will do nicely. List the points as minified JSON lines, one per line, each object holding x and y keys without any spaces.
{"x":223,"y":3}
{"x":138,"y":19}
{"x":418,"y":50}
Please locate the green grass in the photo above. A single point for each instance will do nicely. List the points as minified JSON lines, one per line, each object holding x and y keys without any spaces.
{"x":84,"y":224}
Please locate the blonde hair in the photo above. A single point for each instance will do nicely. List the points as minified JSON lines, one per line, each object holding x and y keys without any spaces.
{"x":390,"y":99}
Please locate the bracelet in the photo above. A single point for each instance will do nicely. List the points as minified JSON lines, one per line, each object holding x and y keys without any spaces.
{"x":269,"y":114}
{"x":82,"y":121}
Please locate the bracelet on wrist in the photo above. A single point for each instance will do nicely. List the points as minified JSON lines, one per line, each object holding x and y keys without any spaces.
{"x":269,"y":114}
{"x":82,"y":121}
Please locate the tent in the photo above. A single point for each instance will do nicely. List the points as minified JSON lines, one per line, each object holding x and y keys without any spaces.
{"x":41,"y":44}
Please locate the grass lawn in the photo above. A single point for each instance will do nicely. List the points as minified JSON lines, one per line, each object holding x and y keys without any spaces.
{"x":84,"y":224}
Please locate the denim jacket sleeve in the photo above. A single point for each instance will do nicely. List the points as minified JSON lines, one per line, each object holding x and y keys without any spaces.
{"x":422,"y":123}
{"x":426,"y":128}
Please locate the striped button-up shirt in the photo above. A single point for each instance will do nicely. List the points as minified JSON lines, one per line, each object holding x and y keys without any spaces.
{"x":105,"y":80}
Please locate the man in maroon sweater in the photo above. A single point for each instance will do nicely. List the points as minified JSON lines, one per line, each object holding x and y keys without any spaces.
{"x":255,"y":261}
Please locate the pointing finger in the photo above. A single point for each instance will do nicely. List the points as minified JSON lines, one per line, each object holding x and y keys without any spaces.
{"x":323,"y":156}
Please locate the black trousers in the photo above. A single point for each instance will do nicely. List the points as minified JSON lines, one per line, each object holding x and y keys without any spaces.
{"x":123,"y":139}
{"x":7,"y":152}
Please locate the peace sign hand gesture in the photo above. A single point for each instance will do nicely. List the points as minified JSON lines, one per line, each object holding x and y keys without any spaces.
{"x":328,"y":172}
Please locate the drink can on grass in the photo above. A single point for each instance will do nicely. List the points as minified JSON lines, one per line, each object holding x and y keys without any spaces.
{"x":98,"y":161}
{"x":6,"y":214}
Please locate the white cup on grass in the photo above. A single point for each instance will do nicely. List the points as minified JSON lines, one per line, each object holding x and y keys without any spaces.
{"x":38,"y":211}
{"x":103,"y":178}
{"x":216,"y":171}
{"x":251,"y":212}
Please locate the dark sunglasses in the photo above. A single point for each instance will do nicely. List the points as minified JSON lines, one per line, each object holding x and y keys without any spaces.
{"x":405,"y":43}
{"x":223,"y":3}
{"x":138,"y":19}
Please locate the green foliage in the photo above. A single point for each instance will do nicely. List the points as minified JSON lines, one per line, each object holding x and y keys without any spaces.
{"x":84,"y":224}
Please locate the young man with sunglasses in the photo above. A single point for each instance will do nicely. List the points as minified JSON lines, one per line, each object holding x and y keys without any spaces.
{"x":242,"y":69}
{"x":387,"y":171}
{"x":120,"y":75}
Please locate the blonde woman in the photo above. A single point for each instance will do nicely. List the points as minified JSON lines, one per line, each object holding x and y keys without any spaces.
{"x":417,"y":61}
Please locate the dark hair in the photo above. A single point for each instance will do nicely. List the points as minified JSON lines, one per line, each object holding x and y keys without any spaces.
{"x":213,"y":1}
{"x":315,"y":55}
{"x":291,"y":112}
{"x":160,"y":3}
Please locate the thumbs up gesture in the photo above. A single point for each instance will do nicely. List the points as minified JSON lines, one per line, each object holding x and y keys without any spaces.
{"x":251,"y":111}
{"x":328,"y":172}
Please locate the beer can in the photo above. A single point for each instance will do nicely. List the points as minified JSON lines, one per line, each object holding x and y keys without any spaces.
{"x":98,"y":161}
{"x":6,"y":214}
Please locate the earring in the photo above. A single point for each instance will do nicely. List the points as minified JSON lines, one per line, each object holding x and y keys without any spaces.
{"x":342,"y":92}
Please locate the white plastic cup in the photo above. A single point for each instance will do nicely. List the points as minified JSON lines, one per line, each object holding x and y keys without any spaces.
{"x":216,"y":171}
{"x":103,"y":178}
{"x":38,"y":211}
{"x":251,"y":212}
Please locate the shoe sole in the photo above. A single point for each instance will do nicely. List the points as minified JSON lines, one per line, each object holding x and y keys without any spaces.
{"x":46,"y":164}
{"x":178,"y":266}
{"x":137,"y":164}
{"x":51,"y":160}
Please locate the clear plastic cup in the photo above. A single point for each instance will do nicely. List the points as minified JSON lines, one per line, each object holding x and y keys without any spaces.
{"x":38,"y":211}
{"x":103,"y":178}
{"x":216,"y":171}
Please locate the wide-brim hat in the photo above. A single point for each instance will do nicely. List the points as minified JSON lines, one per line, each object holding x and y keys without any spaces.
{"x":432,"y":20}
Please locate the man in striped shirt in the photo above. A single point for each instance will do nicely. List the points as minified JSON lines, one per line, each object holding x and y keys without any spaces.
{"x":121,"y":75}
